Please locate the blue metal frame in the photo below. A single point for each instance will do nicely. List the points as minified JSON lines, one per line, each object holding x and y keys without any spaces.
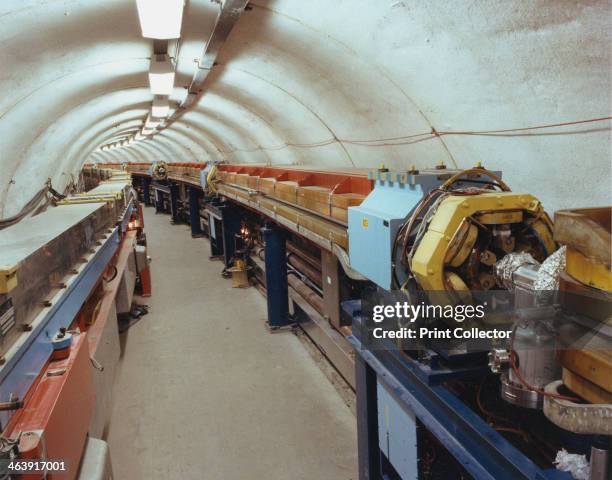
{"x":194,"y":211}
{"x":24,"y":366}
{"x":231,"y":227}
{"x":146,"y":190}
{"x":482,"y":451}
{"x":158,"y":190}
{"x":276,"y":276}
{"x":174,"y":198}
{"x":215,"y":237}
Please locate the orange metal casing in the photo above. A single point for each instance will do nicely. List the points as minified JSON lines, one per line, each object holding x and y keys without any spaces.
{"x":55,"y":419}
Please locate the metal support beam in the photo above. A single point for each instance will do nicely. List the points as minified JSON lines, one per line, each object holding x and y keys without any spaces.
{"x":329,"y":340}
{"x":146,"y":190}
{"x":159,"y":201}
{"x":215,"y":227}
{"x":174,"y":197}
{"x":367,"y":421}
{"x":276,"y":276}
{"x":331,"y":287}
{"x":481,"y":450}
{"x":194,"y":211}
{"x":231,"y":226}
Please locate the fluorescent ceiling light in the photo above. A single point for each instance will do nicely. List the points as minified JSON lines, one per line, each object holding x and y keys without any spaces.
{"x":160,"y":18}
{"x":161,"y":75}
{"x":160,"y":107}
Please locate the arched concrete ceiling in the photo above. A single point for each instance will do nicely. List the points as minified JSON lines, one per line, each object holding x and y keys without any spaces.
{"x":328,"y":84}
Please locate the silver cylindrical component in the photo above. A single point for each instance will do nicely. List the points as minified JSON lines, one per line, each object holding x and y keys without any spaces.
{"x":507,"y":267}
{"x":599,"y":464}
{"x":534,"y":345}
{"x":499,"y":360}
{"x":523,"y":279}
{"x":525,"y":276}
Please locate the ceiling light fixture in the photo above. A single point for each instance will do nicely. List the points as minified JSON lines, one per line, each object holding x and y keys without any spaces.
{"x":161,"y":75}
{"x":160,"y":107}
{"x":160,"y":19}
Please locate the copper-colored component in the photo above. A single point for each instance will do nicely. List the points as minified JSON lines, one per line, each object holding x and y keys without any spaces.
{"x":587,"y":234}
{"x":585,"y":389}
{"x":587,"y":270}
{"x":581,"y":299}
{"x":586,"y":230}
{"x":286,"y":190}
{"x":593,"y":365}
{"x":307,"y":293}
{"x":488,"y":258}
{"x":461,"y":244}
{"x":486,"y":280}
{"x":500,"y":218}
{"x":316,"y":224}
{"x":303,"y":267}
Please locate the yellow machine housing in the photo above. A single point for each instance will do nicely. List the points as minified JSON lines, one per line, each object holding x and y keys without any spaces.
{"x":458,"y":223}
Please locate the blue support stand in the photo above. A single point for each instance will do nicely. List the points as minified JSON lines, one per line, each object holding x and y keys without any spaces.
{"x":276,"y":277}
{"x":146,"y":191}
{"x":159,"y":201}
{"x":231,"y":226}
{"x":215,"y":227}
{"x":369,"y":464}
{"x":481,"y":450}
{"x":194,"y":212}
{"x":174,"y":194}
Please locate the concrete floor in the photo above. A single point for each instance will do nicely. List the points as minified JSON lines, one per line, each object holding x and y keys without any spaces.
{"x":205,"y":392}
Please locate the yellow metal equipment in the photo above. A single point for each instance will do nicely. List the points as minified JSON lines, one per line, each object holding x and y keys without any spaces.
{"x":8,"y":278}
{"x":467,"y":233}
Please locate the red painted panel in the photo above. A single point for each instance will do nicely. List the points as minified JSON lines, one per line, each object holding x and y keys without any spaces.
{"x":54,"y":421}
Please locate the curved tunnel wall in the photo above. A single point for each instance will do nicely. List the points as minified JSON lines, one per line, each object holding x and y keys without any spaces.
{"x":327,"y":84}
